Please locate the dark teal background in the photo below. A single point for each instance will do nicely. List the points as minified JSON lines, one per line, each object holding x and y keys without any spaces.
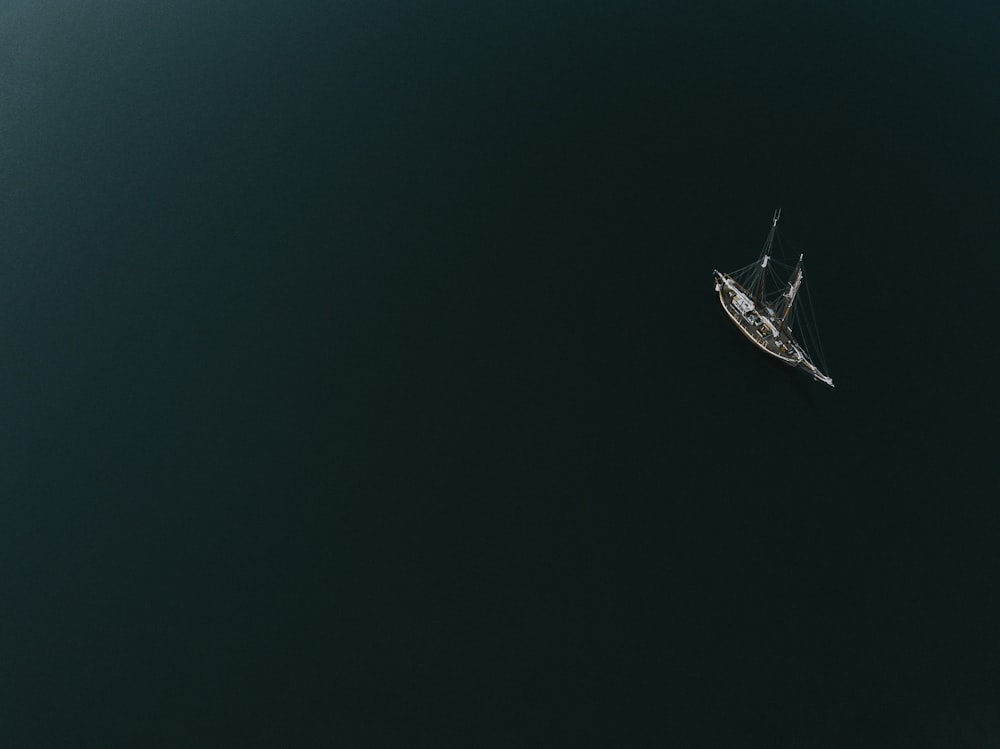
{"x":362,"y":383}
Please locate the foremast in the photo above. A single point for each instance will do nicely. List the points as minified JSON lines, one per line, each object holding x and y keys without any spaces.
{"x":791,"y":293}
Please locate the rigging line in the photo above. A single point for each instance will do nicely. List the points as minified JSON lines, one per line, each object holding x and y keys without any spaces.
{"x":819,"y":344}
{"x":806,"y":337}
{"x":804,"y":328}
{"x":814,"y":347}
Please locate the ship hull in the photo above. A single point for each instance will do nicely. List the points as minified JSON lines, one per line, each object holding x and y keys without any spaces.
{"x":748,"y":305}
{"x":762,"y":330}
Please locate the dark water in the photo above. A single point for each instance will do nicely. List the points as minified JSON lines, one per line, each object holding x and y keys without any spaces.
{"x":363,"y":384}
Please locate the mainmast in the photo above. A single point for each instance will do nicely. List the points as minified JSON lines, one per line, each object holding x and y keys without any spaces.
{"x":765,"y":256}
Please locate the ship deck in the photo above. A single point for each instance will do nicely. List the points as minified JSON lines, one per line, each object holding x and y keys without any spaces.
{"x":762,"y":330}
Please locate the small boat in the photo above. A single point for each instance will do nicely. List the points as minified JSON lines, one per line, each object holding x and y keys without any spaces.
{"x":766,"y":317}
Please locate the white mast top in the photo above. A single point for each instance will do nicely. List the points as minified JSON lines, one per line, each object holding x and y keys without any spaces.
{"x":767,"y":244}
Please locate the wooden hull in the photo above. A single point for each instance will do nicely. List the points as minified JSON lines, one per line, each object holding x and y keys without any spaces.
{"x":759,"y":328}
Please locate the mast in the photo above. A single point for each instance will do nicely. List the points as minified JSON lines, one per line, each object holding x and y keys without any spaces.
{"x":793,"y":289}
{"x":765,"y":256}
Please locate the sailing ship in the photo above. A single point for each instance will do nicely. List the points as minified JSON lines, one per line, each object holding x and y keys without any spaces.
{"x":766,"y":317}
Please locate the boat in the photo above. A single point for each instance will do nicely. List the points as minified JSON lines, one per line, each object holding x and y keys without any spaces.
{"x":766,"y":314}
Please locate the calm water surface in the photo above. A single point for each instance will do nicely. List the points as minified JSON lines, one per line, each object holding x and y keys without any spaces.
{"x":363,"y":383}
